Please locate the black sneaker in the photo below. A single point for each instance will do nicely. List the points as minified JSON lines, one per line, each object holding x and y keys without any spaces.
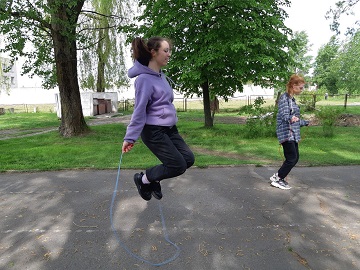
{"x":143,"y":189}
{"x":156,"y":190}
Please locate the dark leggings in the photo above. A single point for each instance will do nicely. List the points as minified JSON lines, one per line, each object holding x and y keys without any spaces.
{"x":291,"y":153}
{"x":170,"y":148}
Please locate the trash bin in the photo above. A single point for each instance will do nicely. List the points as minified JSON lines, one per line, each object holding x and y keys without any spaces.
{"x":102,"y":106}
{"x":108,"y":106}
{"x":95,"y":106}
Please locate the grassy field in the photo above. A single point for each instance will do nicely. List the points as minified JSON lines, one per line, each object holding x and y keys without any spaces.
{"x":224,"y":144}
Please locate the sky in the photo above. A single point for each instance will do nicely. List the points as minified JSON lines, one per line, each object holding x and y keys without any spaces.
{"x":309,"y":16}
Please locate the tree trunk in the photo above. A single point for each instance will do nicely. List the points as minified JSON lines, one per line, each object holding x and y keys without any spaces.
{"x":207,"y":111}
{"x":100,"y":83}
{"x":72,"y":118}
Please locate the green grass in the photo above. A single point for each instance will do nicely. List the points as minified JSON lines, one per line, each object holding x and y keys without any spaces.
{"x":224,"y":144}
{"x":352,"y":109}
{"x":25,"y":121}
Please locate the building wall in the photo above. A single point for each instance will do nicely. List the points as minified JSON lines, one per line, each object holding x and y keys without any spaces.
{"x":89,"y":102}
{"x":28,"y":95}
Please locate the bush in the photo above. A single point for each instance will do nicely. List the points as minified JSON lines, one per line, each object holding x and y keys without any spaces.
{"x":261,"y":121}
{"x":308,"y":100}
{"x":327,"y":117}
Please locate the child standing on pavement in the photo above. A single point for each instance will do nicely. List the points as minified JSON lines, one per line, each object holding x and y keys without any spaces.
{"x":288,"y":125}
{"x":154,"y":117}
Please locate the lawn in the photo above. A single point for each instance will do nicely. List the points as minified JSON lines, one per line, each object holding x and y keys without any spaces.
{"x":224,"y":144}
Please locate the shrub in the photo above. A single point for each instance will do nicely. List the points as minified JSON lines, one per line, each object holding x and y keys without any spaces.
{"x":261,"y":121}
{"x":308,"y":100}
{"x":327,"y":117}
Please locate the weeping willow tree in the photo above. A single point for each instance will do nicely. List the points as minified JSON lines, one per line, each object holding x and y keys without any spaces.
{"x":102,"y":60}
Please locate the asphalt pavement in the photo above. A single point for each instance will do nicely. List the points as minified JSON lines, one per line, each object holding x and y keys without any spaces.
{"x":214,"y":218}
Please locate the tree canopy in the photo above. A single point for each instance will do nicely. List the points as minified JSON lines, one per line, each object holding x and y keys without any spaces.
{"x":101,"y":57}
{"x":344,"y":7}
{"x":299,"y":53}
{"x":348,"y":66}
{"x":337,"y":66}
{"x":221,"y":45}
{"x":51,"y":29}
{"x":324,"y":69}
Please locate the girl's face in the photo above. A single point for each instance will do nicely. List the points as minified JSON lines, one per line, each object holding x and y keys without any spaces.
{"x":162,"y":55}
{"x":297,"y":89}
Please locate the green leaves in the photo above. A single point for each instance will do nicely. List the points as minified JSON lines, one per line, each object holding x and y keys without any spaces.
{"x":324,"y":66}
{"x":102,"y":59}
{"x":344,"y":7}
{"x":298,"y":51}
{"x":224,"y":43}
{"x":349,"y":66}
{"x":34,"y":22}
{"x":26,"y":28}
{"x":337,"y":67}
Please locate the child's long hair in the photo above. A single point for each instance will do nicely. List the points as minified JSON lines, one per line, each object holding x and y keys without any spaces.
{"x":141,"y":50}
{"x":294,"y":81}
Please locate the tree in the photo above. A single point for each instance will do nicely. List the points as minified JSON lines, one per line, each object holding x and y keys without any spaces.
{"x":102,"y":63}
{"x":52,"y":27}
{"x":342,"y":7}
{"x":298,"y":52}
{"x":324,"y":72}
{"x":48,"y":25}
{"x":348,"y":66}
{"x":221,"y":45}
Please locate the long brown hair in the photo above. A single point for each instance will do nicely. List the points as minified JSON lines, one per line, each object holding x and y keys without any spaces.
{"x":141,"y":49}
{"x":294,"y":80}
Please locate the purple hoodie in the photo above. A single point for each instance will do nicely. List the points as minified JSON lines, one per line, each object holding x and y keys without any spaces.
{"x":153,"y":101}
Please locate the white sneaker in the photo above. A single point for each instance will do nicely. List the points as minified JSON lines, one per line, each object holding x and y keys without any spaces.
{"x":275,"y":178}
{"x":282,"y":184}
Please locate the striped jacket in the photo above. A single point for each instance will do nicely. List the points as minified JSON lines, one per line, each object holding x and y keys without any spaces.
{"x":285,"y":130}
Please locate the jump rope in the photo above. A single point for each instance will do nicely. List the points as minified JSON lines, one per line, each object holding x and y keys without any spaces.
{"x":162,"y":222}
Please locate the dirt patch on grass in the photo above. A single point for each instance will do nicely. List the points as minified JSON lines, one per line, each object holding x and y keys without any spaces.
{"x":344,"y":120}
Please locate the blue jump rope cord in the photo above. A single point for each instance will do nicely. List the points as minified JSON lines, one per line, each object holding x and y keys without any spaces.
{"x":162,"y":221}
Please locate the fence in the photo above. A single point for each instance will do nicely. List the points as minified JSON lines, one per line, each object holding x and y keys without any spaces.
{"x":186,"y":104}
{"x":235,"y":103}
{"x":27,"y":108}
{"x":339,"y":99}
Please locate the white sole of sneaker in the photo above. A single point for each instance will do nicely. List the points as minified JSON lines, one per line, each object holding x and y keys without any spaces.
{"x":276,"y":184}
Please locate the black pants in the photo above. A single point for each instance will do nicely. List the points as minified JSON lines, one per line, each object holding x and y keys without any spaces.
{"x":291,"y":153}
{"x":170,"y":148}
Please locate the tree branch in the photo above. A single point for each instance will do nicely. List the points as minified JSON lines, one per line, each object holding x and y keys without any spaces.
{"x":102,"y":15}
{"x":96,"y":28}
